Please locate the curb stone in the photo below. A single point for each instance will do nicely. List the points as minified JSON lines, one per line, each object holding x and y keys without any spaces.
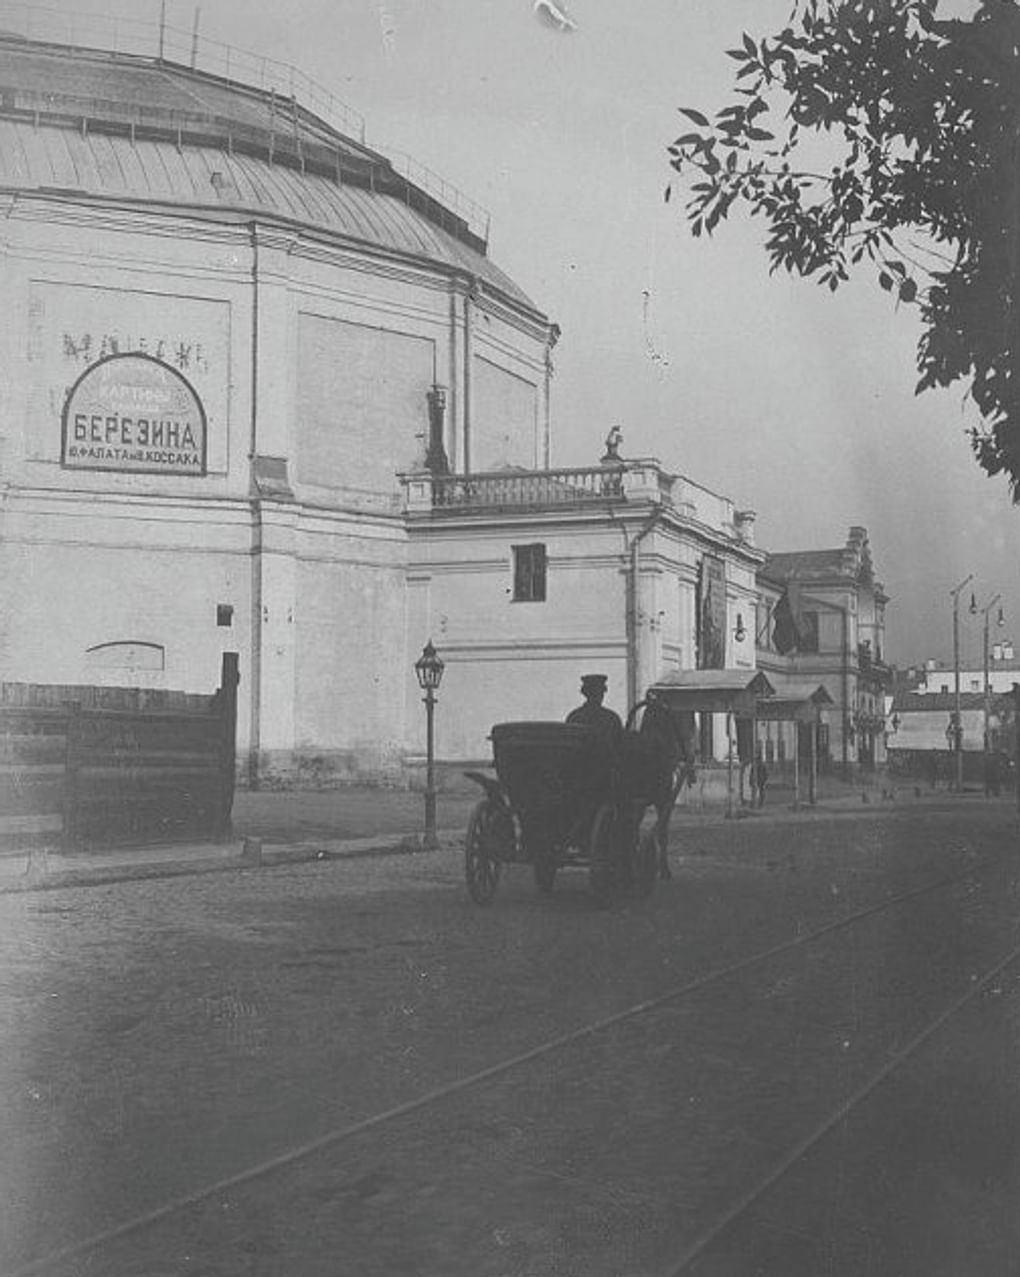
{"x":45,"y":870}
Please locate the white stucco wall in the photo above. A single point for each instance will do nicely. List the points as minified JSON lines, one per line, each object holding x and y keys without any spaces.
{"x":516,"y":660}
{"x":315,"y":355}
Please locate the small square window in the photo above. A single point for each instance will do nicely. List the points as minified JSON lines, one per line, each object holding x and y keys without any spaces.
{"x":224,"y":615}
{"x":529,"y":573}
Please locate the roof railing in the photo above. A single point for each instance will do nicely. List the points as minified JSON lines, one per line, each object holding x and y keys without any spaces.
{"x":136,"y":37}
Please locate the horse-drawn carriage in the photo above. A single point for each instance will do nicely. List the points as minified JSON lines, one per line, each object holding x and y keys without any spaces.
{"x":563,"y":797}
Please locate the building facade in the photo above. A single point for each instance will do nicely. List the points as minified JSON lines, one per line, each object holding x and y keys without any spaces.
{"x":527,"y":579}
{"x":821,"y":622}
{"x":263,"y":394}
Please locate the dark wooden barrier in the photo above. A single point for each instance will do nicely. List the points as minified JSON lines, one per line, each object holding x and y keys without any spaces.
{"x":97,"y":766}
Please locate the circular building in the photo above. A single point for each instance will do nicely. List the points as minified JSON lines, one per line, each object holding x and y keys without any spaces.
{"x":230,"y":327}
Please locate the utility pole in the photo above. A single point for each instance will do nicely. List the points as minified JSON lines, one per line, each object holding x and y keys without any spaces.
{"x":957,"y":732}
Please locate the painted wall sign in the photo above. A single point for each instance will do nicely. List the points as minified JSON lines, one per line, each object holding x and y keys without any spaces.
{"x":135,"y":414}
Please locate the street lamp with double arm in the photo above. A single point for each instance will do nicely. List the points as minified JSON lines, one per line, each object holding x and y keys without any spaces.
{"x":985,"y":689}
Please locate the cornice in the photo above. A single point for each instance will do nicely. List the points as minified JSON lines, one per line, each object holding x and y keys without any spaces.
{"x":488,"y":341}
{"x":118,"y":213}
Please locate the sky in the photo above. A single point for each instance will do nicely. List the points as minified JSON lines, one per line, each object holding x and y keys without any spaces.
{"x":794,"y":402}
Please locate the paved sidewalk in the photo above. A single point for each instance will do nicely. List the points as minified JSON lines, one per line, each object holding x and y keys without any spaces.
{"x":288,"y":826}
{"x":270,"y":828}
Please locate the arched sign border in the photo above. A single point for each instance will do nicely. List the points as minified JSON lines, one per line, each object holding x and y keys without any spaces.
{"x":132,"y":466}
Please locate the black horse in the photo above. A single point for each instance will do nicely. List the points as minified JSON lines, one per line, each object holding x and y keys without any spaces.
{"x":656,"y":764}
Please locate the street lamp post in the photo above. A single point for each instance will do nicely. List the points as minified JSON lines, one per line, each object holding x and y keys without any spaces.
{"x":957,"y":726}
{"x":429,"y":669}
{"x":984,"y":686}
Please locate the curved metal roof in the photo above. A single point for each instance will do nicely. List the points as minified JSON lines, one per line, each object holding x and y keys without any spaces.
{"x":55,"y":161}
{"x":113,"y":128}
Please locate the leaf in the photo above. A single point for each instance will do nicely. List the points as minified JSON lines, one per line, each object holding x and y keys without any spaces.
{"x":696,"y":116}
{"x":908,"y":291}
{"x":668,"y":194}
{"x":750,"y":46}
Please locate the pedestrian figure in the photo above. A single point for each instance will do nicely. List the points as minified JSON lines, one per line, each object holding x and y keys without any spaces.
{"x":761,"y":778}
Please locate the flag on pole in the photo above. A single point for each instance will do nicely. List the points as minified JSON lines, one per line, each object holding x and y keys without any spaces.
{"x":552,"y":12}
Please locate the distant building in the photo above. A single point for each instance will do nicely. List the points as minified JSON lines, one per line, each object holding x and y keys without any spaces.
{"x":1003,"y":671}
{"x":821,"y":621}
{"x":921,"y":733}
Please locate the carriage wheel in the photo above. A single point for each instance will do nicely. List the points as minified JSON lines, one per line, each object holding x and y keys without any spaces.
{"x":481,"y":867}
{"x":602,"y":855}
{"x":646,"y":863}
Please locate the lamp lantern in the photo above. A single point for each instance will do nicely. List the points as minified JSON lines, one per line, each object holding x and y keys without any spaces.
{"x":429,"y":668}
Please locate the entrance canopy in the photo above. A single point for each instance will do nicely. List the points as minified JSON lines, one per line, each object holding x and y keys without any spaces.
{"x":714,"y":691}
{"x":794,"y":703}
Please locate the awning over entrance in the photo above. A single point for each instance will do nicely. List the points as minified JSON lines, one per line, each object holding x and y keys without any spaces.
{"x":799,"y":703}
{"x":794,"y":703}
{"x":714,"y":691}
{"x":735,"y":693}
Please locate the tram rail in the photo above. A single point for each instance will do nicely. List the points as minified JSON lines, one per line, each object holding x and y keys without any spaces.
{"x":262,"y":1169}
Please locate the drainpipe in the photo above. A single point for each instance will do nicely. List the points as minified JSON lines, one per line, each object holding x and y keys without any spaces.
{"x":633,"y":620}
{"x":470,"y":294}
{"x":255,"y":681}
{"x":454,"y":444}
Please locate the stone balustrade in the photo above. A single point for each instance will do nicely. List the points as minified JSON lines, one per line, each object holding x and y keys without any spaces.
{"x":537,"y":489}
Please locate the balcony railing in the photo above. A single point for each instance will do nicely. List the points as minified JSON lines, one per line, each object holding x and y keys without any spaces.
{"x":501,"y":490}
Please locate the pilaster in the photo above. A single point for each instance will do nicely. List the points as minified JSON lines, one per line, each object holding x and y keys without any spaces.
{"x":274,"y":656}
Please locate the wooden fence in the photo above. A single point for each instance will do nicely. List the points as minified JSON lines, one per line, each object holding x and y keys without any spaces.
{"x":96,"y":766}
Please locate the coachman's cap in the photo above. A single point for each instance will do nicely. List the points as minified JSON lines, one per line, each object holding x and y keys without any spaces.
{"x":593,"y":682}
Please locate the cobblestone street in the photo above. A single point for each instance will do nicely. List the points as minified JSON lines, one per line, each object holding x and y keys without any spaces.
{"x":773,"y":1065}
